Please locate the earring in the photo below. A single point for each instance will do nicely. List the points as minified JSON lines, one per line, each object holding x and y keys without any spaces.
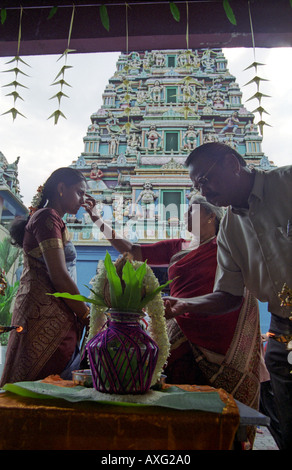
{"x":209,"y":221}
{"x":61,"y":194}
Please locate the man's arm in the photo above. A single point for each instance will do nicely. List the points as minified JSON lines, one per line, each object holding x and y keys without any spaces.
{"x":215,"y":303}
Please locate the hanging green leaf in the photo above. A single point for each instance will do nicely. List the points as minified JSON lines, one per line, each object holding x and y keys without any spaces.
{"x":17,"y":59}
{"x":71,"y":26}
{"x":229,"y":12}
{"x":15,"y":84}
{"x":104,"y":17}
{"x":52,"y":12}
{"x":187,"y":110}
{"x":62,"y":71}
{"x":16,"y":70}
{"x":14,"y":113}
{"x":256,"y":80}
{"x":61,"y":82}
{"x":65,"y":53}
{"x":261,"y":125}
{"x":127,"y":127}
{"x":56,"y":116}
{"x":127,"y":111}
{"x":3,"y":15}
{"x":258,"y":95}
{"x":59,"y":95}
{"x":187,"y":28}
{"x":15,"y":95}
{"x":127,"y":98}
{"x":174,"y":11}
{"x":260,"y":110}
{"x":254,"y":64}
{"x":126,"y":68}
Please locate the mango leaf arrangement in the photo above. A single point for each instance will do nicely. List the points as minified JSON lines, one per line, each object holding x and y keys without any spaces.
{"x":126,"y":286}
{"x":127,"y":293}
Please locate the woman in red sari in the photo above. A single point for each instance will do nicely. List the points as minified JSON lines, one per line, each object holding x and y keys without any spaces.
{"x":52,"y":327}
{"x":219,"y":350}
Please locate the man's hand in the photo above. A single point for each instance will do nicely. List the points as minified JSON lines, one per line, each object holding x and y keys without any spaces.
{"x":90,"y":207}
{"x":174,"y":306}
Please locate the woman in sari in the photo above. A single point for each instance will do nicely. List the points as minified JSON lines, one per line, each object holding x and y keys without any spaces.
{"x":219,"y":350}
{"x":52,"y":327}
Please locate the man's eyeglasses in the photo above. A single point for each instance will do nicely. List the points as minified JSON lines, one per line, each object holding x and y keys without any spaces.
{"x":202,"y":180}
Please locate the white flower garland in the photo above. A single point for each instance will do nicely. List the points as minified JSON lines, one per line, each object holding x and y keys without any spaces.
{"x":154,"y":309}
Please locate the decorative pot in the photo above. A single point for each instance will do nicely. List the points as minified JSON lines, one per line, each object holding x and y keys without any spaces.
{"x":122,"y":355}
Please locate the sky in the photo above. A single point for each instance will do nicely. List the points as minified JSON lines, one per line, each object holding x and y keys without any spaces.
{"x":43,"y":146}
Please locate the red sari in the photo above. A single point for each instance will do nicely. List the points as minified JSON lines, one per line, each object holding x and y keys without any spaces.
{"x":193,"y":274}
{"x":218,"y":350}
{"x":50,"y":329}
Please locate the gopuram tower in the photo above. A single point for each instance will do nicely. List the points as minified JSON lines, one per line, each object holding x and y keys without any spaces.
{"x":157,"y":107}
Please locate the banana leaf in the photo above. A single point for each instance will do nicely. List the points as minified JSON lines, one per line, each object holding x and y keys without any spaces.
{"x":172,"y":397}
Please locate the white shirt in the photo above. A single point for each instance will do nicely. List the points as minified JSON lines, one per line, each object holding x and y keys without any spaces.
{"x":254,"y":246}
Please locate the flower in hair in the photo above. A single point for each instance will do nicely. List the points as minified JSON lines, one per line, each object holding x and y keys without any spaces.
{"x":36,"y":200}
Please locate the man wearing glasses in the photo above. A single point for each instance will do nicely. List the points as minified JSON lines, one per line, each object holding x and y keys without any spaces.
{"x":254,"y":252}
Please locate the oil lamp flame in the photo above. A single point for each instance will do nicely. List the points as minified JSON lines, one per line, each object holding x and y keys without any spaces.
{"x":6,"y":329}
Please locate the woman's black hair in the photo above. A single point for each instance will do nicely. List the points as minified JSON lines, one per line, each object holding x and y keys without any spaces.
{"x":68,"y":176}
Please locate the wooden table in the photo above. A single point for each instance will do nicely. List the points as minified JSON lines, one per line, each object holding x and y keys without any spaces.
{"x":54,"y":424}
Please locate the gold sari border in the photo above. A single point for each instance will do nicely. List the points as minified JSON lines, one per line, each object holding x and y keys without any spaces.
{"x":46,"y":245}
